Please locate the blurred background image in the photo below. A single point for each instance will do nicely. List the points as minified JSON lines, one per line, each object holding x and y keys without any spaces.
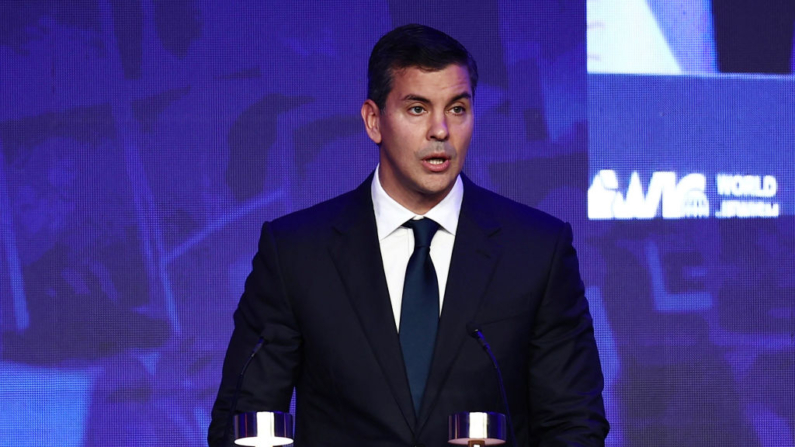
{"x":691,"y":36}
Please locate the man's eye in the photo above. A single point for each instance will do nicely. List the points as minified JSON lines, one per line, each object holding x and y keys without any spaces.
{"x":416,"y":110}
{"x":458,"y":110}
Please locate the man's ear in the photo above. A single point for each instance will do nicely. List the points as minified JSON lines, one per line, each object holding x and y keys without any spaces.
{"x":371,"y":115}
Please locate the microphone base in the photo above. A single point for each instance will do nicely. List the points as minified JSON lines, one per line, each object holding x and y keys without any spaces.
{"x":477,"y":429}
{"x":261,"y":428}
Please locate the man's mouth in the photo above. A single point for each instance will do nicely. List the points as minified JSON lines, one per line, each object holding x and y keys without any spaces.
{"x":437,"y":163}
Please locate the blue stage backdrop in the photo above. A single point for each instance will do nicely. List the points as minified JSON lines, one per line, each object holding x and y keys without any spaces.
{"x":143,"y":143}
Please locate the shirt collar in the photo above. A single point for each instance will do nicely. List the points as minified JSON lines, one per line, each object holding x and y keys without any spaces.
{"x":390,"y":215}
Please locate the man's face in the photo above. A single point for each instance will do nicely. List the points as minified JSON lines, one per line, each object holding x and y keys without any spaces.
{"x":423,"y":132}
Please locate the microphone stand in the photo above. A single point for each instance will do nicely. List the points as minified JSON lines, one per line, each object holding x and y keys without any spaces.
{"x":233,"y":406}
{"x":474,"y":332}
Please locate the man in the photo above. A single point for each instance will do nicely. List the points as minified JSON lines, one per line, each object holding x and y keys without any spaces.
{"x":340,"y":293}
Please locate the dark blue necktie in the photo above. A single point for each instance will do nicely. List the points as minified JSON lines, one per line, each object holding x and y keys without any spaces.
{"x":419,"y":315}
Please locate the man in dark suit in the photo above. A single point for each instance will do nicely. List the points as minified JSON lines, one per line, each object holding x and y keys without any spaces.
{"x":366,"y":313}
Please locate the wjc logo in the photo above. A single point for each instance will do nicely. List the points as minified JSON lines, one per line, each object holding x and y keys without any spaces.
{"x":682,"y":199}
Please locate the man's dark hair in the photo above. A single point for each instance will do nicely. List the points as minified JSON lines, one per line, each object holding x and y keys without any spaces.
{"x":413,"y":46}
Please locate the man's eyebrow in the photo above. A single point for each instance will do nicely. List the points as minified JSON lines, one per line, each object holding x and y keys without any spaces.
{"x":411,"y":97}
{"x":417,"y":98}
{"x":465,"y":95}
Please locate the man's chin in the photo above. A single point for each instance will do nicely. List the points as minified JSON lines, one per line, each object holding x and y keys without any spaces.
{"x":437,"y":190}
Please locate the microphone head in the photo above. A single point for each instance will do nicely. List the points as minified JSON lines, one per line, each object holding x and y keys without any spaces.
{"x":473,"y":329}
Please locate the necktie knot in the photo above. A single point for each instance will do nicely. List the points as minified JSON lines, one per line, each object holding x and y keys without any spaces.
{"x":424,"y":230}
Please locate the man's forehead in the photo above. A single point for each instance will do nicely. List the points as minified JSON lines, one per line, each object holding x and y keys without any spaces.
{"x":452,"y":80}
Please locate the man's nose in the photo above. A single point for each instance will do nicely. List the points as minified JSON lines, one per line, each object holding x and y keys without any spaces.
{"x":438,"y":130}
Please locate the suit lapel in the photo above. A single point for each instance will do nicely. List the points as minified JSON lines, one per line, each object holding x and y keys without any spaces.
{"x":475,"y":254}
{"x":357,"y":256}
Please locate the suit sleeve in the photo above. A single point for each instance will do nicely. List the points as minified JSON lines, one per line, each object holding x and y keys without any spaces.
{"x":565,"y":375}
{"x":264,"y":310}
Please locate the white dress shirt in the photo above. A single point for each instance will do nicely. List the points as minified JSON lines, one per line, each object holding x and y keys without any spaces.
{"x":397,"y":241}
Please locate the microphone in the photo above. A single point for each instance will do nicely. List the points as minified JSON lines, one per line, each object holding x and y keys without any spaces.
{"x":233,"y":406}
{"x":473,"y":329}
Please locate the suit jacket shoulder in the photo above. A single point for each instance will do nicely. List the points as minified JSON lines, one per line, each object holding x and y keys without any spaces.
{"x":321,"y":213}
{"x":490,"y":209}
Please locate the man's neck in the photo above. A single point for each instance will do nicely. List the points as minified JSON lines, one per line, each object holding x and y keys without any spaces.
{"x":390,"y":214}
{"x":416,"y":202}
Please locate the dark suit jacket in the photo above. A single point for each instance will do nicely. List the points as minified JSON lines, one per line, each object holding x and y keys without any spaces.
{"x":318,"y":295}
